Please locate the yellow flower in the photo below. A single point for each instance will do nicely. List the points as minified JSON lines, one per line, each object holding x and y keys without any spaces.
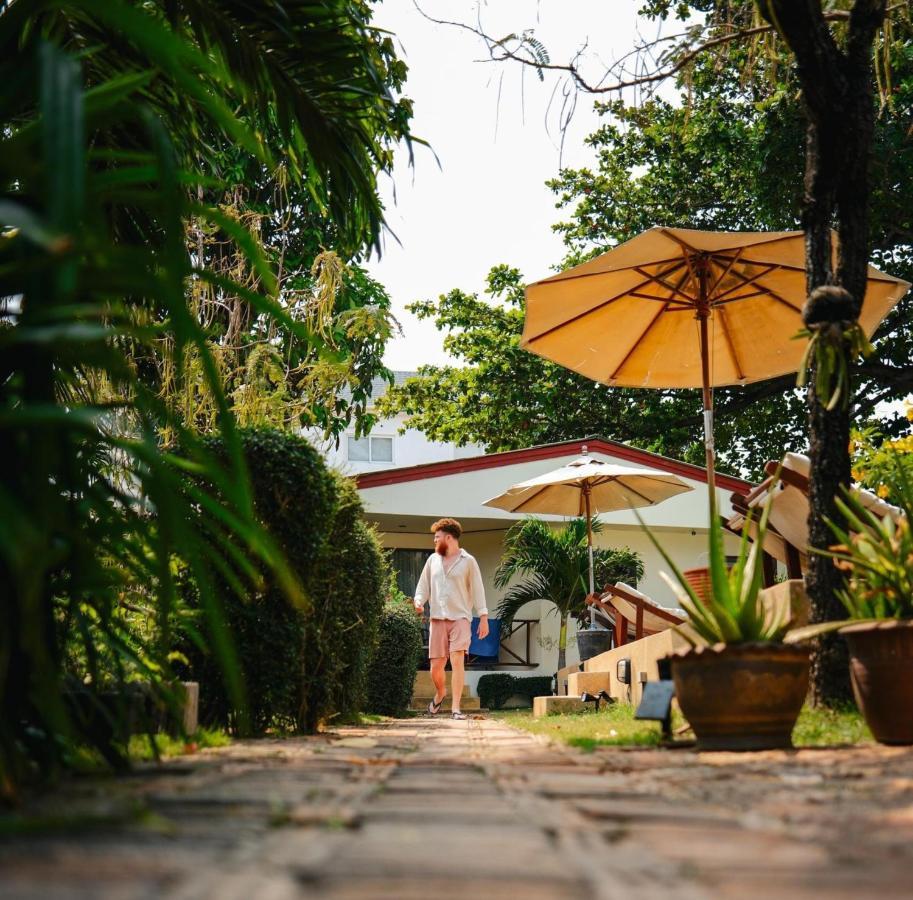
{"x":883,"y":491}
{"x":857,"y":474}
{"x":910,"y":411}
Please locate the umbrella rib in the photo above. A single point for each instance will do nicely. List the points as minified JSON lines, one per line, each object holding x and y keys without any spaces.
{"x":566,"y":322}
{"x":659,"y":279}
{"x":528,"y":500}
{"x":787,"y":266}
{"x":630,"y":490}
{"x":731,"y":345}
{"x":635,"y":344}
{"x":772,"y":294}
{"x":683,"y":244}
{"x":653,"y":321}
{"x":633,"y":267}
{"x":732,"y":261}
{"x":746,"y":282}
{"x":642,"y":296}
{"x":760,"y":293}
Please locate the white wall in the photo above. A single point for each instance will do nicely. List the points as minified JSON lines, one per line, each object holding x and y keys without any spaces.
{"x":411,"y":448}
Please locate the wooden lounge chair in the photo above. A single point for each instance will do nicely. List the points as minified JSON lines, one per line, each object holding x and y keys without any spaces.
{"x":629,"y":610}
{"x":787,"y":533}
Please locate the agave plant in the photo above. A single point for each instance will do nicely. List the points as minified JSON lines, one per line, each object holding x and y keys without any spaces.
{"x":733,"y":613}
{"x":876,"y":553}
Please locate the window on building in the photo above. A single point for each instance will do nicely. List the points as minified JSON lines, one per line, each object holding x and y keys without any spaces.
{"x":381,"y":449}
{"x":359,"y":449}
{"x":408,"y":565}
{"x":370,"y":449}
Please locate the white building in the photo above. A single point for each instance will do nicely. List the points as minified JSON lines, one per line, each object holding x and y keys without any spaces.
{"x":407,"y":481}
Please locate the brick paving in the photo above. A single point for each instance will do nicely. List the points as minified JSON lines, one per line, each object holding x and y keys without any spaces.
{"x":424,"y":808}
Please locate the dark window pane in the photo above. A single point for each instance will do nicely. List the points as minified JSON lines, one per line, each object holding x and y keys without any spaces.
{"x":408,"y":565}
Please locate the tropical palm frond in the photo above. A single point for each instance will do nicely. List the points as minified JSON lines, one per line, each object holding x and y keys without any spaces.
{"x":94,"y":513}
{"x":545,"y":563}
{"x":316,"y":79}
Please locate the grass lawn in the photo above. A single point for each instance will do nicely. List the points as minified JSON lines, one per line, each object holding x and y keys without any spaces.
{"x":616,"y":726}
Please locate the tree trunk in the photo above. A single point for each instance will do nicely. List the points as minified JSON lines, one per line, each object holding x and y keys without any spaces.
{"x":837,"y":91}
{"x":562,"y":643}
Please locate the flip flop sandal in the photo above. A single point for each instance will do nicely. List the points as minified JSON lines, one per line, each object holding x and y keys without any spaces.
{"x":435,"y":708}
{"x":457,"y":715}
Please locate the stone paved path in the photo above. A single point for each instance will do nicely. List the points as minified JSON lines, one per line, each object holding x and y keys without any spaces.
{"x":426,"y":808}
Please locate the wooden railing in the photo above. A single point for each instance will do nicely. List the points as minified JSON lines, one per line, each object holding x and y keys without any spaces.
{"x":507,"y":657}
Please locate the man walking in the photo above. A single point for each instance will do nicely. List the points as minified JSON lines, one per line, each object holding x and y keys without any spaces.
{"x":451,"y":583}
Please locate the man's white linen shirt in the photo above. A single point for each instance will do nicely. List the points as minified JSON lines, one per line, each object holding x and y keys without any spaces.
{"x":454,"y":594}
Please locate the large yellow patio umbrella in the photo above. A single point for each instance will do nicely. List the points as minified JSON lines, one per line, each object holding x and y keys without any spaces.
{"x":679,"y":308}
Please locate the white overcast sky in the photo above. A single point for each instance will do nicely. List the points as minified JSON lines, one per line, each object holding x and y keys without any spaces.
{"x":487,"y":202}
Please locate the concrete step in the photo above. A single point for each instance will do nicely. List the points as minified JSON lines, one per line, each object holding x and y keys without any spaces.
{"x":591,"y":682}
{"x":424,"y":686}
{"x":550,"y":706}
{"x":420,"y":703}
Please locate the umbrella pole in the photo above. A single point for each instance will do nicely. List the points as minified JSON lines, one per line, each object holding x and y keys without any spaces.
{"x":703,"y":314}
{"x":589,"y":548}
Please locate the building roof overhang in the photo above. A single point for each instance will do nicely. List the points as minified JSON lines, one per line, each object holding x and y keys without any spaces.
{"x":619,"y":451}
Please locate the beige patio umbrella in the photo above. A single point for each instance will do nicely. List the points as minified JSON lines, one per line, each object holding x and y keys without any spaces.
{"x":678,"y":308}
{"x":587,"y":485}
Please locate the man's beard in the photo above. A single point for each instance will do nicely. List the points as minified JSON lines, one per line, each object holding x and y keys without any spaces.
{"x":441,"y":549}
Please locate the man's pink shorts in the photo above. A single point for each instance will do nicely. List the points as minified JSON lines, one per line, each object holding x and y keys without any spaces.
{"x":448,"y":635}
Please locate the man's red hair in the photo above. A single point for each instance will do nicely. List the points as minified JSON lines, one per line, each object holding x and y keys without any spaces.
{"x":450,"y":526}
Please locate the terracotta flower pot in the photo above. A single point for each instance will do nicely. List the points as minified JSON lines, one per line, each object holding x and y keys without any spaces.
{"x":881,"y":669}
{"x":742,"y":696}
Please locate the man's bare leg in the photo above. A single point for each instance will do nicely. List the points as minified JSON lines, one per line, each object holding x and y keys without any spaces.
{"x":439,"y":678}
{"x":457,"y":677}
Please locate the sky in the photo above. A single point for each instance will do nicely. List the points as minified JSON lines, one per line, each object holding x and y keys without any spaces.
{"x":483,"y":201}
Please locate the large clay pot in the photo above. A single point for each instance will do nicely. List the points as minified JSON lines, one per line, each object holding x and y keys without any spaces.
{"x":742,"y":696}
{"x":592,"y":642}
{"x":881,"y":669}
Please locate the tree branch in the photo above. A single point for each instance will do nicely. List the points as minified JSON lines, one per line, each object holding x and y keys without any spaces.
{"x":500,"y":51}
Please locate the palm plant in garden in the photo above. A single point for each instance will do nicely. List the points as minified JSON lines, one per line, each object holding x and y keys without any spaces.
{"x":102,"y":164}
{"x":544,"y":563}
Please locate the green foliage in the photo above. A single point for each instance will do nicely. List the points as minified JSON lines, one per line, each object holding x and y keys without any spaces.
{"x":317,"y":86}
{"x":726,"y":154}
{"x":399,"y":647}
{"x":348,"y":585}
{"x":307,"y":664}
{"x":295,"y":499}
{"x":877,"y":461}
{"x":85,"y":295}
{"x":494,"y":690}
{"x":553,"y":565}
{"x":733,"y":613}
{"x":876,"y":552}
{"x":110,"y":170}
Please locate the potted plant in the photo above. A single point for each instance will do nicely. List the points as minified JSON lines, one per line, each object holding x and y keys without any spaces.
{"x":876,"y":552}
{"x":739,"y":685}
{"x":553,"y":564}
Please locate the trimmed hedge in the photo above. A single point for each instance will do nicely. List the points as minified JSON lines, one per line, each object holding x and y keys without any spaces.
{"x":399,"y":648}
{"x":348,"y":587}
{"x":495,"y":690}
{"x":300,"y":666}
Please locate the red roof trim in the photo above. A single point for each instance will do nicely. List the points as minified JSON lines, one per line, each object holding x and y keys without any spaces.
{"x":545,"y":451}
